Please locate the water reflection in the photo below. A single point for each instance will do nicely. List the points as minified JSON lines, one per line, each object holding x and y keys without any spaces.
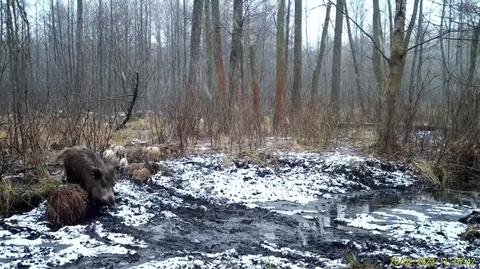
{"x":317,"y":219}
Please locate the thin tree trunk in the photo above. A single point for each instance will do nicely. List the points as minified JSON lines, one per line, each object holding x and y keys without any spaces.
{"x":355,"y":64}
{"x":217,"y":44}
{"x":287,"y":34}
{"x":257,"y":109}
{"x":315,"y":90}
{"x":79,"y":67}
{"x":196,"y":32}
{"x":209,"y":49}
{"x":377,"y":61}
{"x":415,"y":78}
{"x":337,"y":60}
{"x":297,"y":55}
{"x":236,"y":59}
{"x":279,"y":118}
{"x":397,"y":60}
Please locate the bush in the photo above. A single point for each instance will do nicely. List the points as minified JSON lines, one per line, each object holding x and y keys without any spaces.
{"x":18,"y":198}
{"x":429,"y":172}
{"x":68,"y":205}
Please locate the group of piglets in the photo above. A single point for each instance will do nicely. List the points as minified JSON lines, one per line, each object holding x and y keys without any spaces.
{"x":139,"y":163}
{"x":92,"y":178}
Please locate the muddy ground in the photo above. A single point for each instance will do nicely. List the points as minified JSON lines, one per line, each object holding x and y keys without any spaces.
{"x":292,"y":210}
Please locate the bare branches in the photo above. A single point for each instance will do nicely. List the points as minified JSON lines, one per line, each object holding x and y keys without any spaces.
{"x":365,"y":33}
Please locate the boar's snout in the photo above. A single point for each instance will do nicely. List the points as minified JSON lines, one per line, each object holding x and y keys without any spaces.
{"x":110,"y":200}
{"x":103,"y":196}
{"x":107,"y":199}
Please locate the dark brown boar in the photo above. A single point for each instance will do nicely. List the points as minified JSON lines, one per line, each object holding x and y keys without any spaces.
{"x":86,"y":168}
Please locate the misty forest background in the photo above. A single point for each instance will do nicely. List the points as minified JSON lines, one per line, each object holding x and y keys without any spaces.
{"x":402,"y":80}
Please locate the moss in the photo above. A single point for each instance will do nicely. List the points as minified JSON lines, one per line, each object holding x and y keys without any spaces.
{"x":67,"y":205}
{"x":17,"y":198}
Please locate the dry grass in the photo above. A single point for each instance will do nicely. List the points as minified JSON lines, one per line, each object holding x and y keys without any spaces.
{"x":17,"y":198}
{"x":428,"y":171}
{"x":354,"y":263}
{"x":3,"y":134}
{"x":123,"y":136}
{"x":472,"y":232}
{"x":68,"y":205}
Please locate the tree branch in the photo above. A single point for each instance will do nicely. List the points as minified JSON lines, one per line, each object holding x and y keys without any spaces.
{"x":364,"y":32}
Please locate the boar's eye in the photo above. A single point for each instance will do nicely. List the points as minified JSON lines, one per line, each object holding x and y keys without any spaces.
{"x":96,"y":173}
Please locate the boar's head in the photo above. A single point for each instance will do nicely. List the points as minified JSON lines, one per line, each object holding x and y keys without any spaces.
{"x":100,"y":185}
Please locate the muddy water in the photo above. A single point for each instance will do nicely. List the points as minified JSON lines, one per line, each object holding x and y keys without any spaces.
{"x":213,"y":216}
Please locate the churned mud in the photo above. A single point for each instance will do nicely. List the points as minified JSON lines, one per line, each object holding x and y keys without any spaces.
{"x":297,"y":210}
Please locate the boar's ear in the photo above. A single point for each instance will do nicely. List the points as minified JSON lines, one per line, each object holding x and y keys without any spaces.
{"x":96,"y":173}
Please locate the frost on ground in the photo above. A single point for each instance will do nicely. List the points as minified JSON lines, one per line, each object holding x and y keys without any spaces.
{"x":293,"y":212}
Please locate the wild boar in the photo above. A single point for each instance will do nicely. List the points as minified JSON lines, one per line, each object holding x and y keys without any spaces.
{"x":140,"y":172}
{"x":86,"y":168}
{"x":111,"y":157}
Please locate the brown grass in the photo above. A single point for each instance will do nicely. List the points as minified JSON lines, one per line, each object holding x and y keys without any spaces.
{"x":68,"y":205}
{"x":472,"y":232}
{"x":17,"y":198}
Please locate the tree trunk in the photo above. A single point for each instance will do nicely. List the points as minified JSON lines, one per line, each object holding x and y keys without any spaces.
{"x":297,"y":55}
{"x":287,"y":34}
{"x":355,"y":64}
{"x":337,"y":60}
{"x":415,"y":78}
{"x":209,"y":49}
{"x":236,"y":59}
{"x":79,"y":67}
{"x":377,"y":61}
{"x":471,"y":117}
{"x":279,"y":117}
{"x":192,"y":87}
{"x":397,"y":60}
{"x":315,"y":90}
{"x":217,"y":46}
{"x":257,"y":109}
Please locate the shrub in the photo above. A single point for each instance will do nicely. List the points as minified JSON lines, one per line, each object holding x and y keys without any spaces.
{"x":68,"y":205}
{"x":17,"y":198}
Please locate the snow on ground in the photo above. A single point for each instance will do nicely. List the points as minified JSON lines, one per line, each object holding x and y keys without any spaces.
{"x":434,"y":227}
{"x":232,"y":259}
{"x":197,"y":218}
{"x":30,"y":242}
{"x":295,"y":177}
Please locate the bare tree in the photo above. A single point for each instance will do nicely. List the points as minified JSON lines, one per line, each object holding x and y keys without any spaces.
{"x":337,"y":59}
{"x":257,"y":106}
{"x":323,"y":44}
{"x":236,"y":58}
{"x":297,"y":54}
{"x":195,"y":48}
{"x":279,"y":118}
{"x":396,"y":63}
{"x":355,"y":64}
{"x":377,"y":61}
{"x":79,"y":66}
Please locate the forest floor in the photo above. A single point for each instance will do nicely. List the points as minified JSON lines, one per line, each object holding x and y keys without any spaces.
{"x":283,"y":209}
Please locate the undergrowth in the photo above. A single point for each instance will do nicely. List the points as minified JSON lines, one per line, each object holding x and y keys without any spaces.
{"x":17,"y":198}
